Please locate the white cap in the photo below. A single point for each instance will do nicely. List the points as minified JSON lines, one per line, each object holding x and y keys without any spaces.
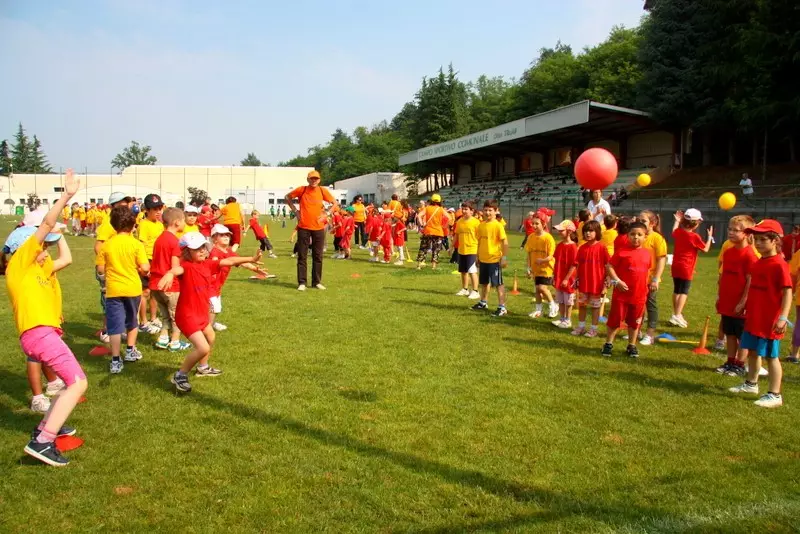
{"x":693,"y":214}
{"x":194,"y":241}
{"x":191,"y":209}
{"x":220,"y":229}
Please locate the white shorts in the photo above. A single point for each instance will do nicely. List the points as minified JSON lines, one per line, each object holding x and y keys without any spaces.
{"x":562,"y":297}
{"x":375,"y":244}
{"x":216,"y":304}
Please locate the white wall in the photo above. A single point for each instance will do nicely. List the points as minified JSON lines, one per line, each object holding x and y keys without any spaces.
{"x":379,"y":186}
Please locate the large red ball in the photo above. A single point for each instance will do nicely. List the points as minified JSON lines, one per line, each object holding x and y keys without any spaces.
{"x":596,"y":168}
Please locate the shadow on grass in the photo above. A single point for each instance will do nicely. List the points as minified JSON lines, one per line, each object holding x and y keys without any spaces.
{"x":435,"y":305}
{"x":553,"y":344}
{"x":424,"y":291}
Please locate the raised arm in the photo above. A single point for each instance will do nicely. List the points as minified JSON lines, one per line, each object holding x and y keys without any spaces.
{"x":71,"y":186}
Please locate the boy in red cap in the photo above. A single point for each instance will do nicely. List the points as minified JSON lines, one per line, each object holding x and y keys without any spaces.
{"x":769,"y":298}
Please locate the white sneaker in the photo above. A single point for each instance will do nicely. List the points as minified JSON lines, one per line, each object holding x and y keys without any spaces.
{"x":320,"y":286}
{"x":770,"y":400}
{"x":535,"y":314}
{"x":720,"y":345}
{"x":557,"y":322}
{"x":53,"y":388}
{"x":335,"y":257}
{"x":646,"y":340}
{"x":553,"y":313}
{"x":399,"y":262}
{"x":104,"y":337}
{"x":762,"y":371}
{"x":565,"y":324}
{"x":153,"y":328}
{"x":301,"y":287}
{"x":219,"y":327}
{"x":474,"y":295}
{"x":744,"y":387}
{"x":463,"y":293}
{"x":273,"y":256}
{"x":675,"y":320}
{"x":40,"y":404}
{"x":157,"y":322}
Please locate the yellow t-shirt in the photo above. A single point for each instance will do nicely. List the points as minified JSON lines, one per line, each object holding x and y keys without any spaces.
{"x":266,"y":229}
{"x":232,"y":214}
{"x":657,"y":245}
{"x":34,"y":290}
{"x":81,"y":214}
{"x":608,"y":238}
{"x":90,"y":216}
{"x":491,"y":236}
{"x":148,"y":233}
{"x":467,"y":233}
{"x":66,"y":212}
{"x":186,"y":229}
{"x":121,"y":255}
{"x":105,"y":231}
{"x":100,"y":217}
{"x":581,"y":240}
{"x":538,"y":247}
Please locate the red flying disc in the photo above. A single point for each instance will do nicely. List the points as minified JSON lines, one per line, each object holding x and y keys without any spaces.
{"x":68,"y":443}
{"x":100,"y":350}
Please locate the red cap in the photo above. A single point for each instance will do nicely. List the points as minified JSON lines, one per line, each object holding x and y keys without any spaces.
{"x":767,"y":225}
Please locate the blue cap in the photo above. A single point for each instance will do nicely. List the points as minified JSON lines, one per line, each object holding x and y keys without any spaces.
{"x":21,"y":234}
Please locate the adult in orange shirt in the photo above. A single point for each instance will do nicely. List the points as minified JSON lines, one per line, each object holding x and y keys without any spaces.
{"x":233,"y":220}
{"x":432,"y":223}
{"x":312,"y":219}
{"x":360,"y":220}
{"x":396,"y":207}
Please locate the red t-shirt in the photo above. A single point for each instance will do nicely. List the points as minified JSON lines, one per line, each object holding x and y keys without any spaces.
{"x":164,"y":249}
{"x":632,"y":266}
{"x":338,"y":225}
{"x":386,"y":237}
{"x":348,"y":225}
{"x":398,"y":234}
{"x":622,"y":241}
{"x":374,"y":227}
{"x":257,"y":228}
{"x":768,"y":277}
{"x":222,"y":272}
{"x":736,"y":263}
{"x":197,"y":281}
{"x":565,"y":256}
{"x":205,"y":222}
{"x":591,"y":261}
{"x":205,"y":208}
{"x":684,"y":255}
{"x":789,"y":245}
{"x":528,"y":225}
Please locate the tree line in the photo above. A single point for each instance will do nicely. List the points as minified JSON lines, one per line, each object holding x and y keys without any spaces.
{"x":721,"y":67}
{"x":23,"y":155}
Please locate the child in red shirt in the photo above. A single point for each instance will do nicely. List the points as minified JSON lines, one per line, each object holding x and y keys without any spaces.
{"x":734,"y":279}
{"x":769,"y":298}
{"x":337,"y":229}
{"x":590,"y":266}
{"x":684,"y":259}
{"x":261,"y":235}
{"x":373,"y":229}
{"x":628,"y":270}
{"x":197,"y":273}
{"x":385,"y":237}
{"x":348,"y":229}
{"x":399,"y":238}
{"x":565,"y":255}
{"x":207,"y":219}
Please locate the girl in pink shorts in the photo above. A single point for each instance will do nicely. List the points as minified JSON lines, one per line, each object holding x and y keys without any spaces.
{"x":36,"y":300}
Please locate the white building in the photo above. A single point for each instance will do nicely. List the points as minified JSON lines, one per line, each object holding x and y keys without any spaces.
{"x":258,"y":187}
{"x":374,"y":187}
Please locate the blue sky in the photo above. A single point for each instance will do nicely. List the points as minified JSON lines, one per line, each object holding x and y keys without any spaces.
{"x":206,"y":82}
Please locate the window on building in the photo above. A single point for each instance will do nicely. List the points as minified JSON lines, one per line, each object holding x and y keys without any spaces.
{"x":58,"y":190}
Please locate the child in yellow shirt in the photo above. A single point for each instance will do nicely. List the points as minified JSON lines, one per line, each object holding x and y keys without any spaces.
{"x":150,"y":227}
{"x":539,"y":249}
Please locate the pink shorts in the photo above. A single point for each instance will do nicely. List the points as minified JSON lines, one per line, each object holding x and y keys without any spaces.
{"x":562,"y":297}
{"x":43,"y":344}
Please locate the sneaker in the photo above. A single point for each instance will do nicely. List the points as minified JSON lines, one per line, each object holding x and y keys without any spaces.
{"x":219,"y":327}
{"x":178,"y":345}
{"x":535,"y":314}
{"x":591,"y":333}
{"x":473,"y":295}
{"x":557,"y":322}
{"x":553,"y":313}
{"x":399,"y":262}
{"x":157,"y":322}
{"x":735,"y":370}
{"x":162,"y":343}
{"x":722,"y":368}
{"x":104,"y":337}
{"x":143,"y":327}
{"x":46,"y":452}
{"x":207,"y":371}
{"x":63,"y":431}
{"x":565,"y":324}
{"x":181,"y":383}
{"x":463,"y":293}
{"x":744,"y":387}
{"x":682,"y":322}
{"x":633,"y":351}
{"x":770,"y":400}
{"x":720,"y":345}
{"x":153,"y":329}
{"x":500,"y":312}
{"x":40,"y":404}
{"x":294,"y":255}
{"x":792,"y":359}
{"x":677,"y":321}
{"x":579,"y":331}
{"x":132,"y":355}
{"x":115,"y":367}
{"x":53,"y":388}
{"x":301,"y":287}
{"x":646,"y":340}
{"x":480,"y":306}
{"x":273,"y":256}
{"x":320,"y":287}
{"x":608,"y":349}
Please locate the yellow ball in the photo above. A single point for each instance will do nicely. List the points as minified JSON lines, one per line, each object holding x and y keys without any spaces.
{"x":643,"y":180}
{"x":727,"y":201}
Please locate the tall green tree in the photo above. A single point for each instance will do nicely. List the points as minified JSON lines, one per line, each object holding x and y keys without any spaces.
{"x":38,"y":163}
{"x":21,"y":153}
{"x":611,"y":69}
{"x":135,"y":154}
{"x":5,"y":158}
{"x":489,"y":101}
{"x":251,"y":161}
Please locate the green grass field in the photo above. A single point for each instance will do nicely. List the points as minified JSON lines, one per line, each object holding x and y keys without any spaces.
{"x":385,"y":405}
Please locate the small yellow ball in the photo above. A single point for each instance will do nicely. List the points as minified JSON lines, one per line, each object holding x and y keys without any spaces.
{"x":643,"y":180}
{"x":727,"y":201}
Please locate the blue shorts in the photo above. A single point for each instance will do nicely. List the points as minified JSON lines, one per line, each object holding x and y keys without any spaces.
{"x":766,"y":348}
{"x":466,"y":263}
{"x":122,"y":314}
{"x":490,"y":273}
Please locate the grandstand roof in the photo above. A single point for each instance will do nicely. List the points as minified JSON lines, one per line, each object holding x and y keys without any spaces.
{"x":572,"y":125}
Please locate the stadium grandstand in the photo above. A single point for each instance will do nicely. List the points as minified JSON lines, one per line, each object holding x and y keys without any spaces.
{"x":527,"y":163}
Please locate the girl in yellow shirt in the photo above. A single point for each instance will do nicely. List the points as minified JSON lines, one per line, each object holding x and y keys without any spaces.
{"x":540,"y":247}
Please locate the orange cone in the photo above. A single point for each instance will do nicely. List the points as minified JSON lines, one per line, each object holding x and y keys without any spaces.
{"x":701,"y":348}
{"x":515,"y":290}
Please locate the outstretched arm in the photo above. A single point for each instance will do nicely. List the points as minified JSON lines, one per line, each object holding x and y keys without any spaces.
{"x":71,"y":186}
